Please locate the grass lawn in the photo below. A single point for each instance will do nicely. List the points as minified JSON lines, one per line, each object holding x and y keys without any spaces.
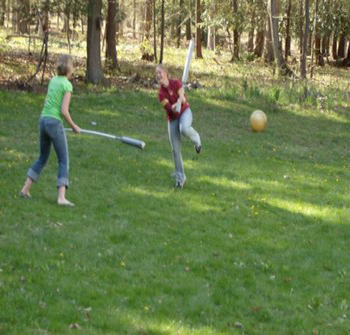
{"x":258,"y":241}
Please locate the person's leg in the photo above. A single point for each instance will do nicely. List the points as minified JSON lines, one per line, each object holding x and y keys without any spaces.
{"x":187,"y":129}
{"x":35,"y":171}
{"x":59,"y":140}
{"x":175,"y":141}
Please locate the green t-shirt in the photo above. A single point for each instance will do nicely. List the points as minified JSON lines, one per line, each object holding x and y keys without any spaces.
{"x":58,"y":87}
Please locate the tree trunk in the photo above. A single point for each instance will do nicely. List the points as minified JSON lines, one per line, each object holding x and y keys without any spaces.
{"x":325,"y":46}
{"x":134,"y":21}
{"x":268,"y":52}
{"x":121,"y":24}
{"x":318,"y":54}
{"x":179,"y":22}
{"x":188,"y":29}
{"x":14,"y":16}
{"x":111,"y":29}
{"x":317,"y":40}
{"x":162,"y":34}
{"x":288,"y":37}
{"x":305,"y":35}
{"x":198,"y":30}
{"x":250,"y":45}
{"x":335,"y":47}
{"x":282,"y":68}
{"x":23,"y":16}
{"x":259,"y":43}
{"x":342,"y":46}
{"x":148,"y":19}
{"x":46,"y":19}
{"x":154,"y":32}
{"x":3,"y":13}
{"x":94,"y":72}
{"x":235,"y":35}
{"x":301,"y":25}
{"x":348,"y":55}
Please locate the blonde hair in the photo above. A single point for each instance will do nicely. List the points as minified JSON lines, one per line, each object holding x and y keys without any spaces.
{"x":65,"y":65}
{"x":163,"y":68}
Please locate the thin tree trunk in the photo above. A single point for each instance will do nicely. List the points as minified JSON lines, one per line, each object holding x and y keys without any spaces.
{"x":94,"y":72}
{"x":179,"y":23}
{"x":121,"y":24}
{"x":259,"y":43}
{"x":325,"y":46}
{"x":282,"y":68}
{"x":288,"y":37}
{"x":154,"y":32}
{"x":162,"y":34}
{"x":148,"y":19}
{"x":198,"y":30}
{"x":3,"y":13}
{"x":301,"y":25}
{"x":335,"y":47}
{"x":250,"y":45}
{"x":68,"y":32}
{"x":268,"y":51}
{"x":317,"y":40}
{"x":134,"y":21}
{"x":14,"y":16}
{"x":305,"y":35}
{"x":235,"y":35}
{"x":341,"y":46}
{"x":111,"y":29}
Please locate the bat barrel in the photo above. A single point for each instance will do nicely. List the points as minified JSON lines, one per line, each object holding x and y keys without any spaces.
{"x":132,"y":141}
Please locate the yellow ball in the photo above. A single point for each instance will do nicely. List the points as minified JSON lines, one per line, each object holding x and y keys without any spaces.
{"x":258,"y":121}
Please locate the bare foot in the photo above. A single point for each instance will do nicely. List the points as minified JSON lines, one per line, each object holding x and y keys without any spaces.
{"x":64,"y":202}
{"x":25,"y":195}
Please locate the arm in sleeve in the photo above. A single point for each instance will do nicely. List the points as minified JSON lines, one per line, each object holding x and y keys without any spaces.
{"x":166,"y":104}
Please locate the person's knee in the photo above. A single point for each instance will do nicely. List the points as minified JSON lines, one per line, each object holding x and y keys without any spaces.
{"x":184,"y":130}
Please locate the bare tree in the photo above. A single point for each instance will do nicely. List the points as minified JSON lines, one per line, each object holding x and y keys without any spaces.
{"x":94,"y":72}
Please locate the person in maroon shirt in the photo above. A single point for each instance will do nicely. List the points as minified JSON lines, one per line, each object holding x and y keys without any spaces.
{"x":171,"y":94}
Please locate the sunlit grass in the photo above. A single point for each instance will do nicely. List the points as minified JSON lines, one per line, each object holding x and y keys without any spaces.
{"x":256,"y":243}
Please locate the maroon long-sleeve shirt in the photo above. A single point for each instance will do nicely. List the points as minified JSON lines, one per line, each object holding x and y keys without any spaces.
{"x":171,"y":94}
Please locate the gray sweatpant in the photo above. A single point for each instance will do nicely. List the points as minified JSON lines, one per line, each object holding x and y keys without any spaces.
{"x":176,"y":128}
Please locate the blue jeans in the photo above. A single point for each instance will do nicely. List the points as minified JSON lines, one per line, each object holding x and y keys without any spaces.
{"x":52,"y":131}
{"x":176,"y":128}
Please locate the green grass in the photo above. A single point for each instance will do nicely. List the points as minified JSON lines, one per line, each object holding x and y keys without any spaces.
{"x":256,"y":243}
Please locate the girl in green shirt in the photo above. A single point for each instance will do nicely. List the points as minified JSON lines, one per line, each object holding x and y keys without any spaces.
{"x":56,"y":108}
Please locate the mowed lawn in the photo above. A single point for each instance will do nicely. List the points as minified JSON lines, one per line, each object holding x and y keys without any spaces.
{"x":258,"y":241}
